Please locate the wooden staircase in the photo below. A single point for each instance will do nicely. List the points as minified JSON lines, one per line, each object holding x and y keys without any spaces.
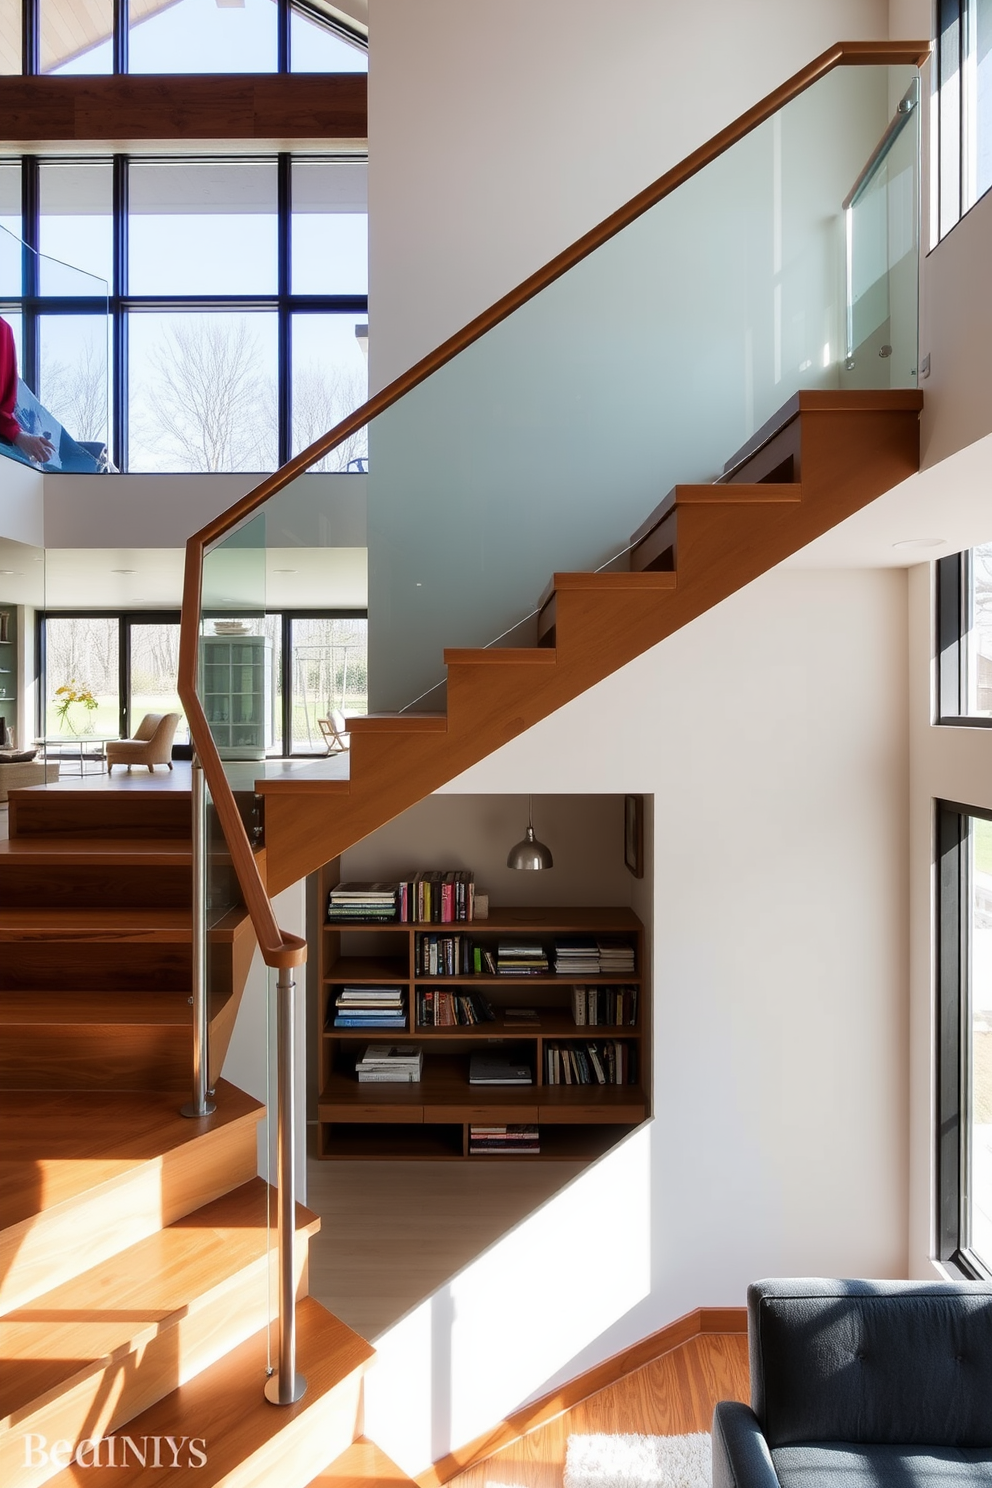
{"x":136,"y":1264}
{"x":823,"y":457}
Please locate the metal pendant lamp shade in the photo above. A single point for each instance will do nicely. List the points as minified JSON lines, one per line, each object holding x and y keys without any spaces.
{"x":529,"y":853}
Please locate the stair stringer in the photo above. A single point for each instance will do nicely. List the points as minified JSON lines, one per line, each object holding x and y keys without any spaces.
{"x":847,"y":449}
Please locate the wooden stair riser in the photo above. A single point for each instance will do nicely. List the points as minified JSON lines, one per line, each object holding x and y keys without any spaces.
{"x":100,"y":813}
{"x":96,"y":964}
{"x":248,"y":1443}
{"x":51,"y":1246}
{"x":104,"y":1399}
{"x":24,"y":883}
{"x":98,"y":1056}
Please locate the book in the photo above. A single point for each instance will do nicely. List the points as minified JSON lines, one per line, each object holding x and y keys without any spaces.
{"x":514,"y":1139}
{"x":488,"y":1069}
{"x":386,"y":1064}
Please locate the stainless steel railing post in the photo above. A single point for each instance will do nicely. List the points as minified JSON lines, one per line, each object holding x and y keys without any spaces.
{"x":285,"y":1387}
{"x":200,"y":1105}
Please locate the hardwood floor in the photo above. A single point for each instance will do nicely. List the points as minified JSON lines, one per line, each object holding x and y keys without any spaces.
{"x":392,"y":1232}
{"x":672,"y":1395}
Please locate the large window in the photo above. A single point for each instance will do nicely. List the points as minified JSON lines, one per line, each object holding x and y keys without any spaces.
{"x":239,"y":303}
{"x":964,"y":638}
{"x":129,"y":662}
{"x":177,"y":36}
{"x":964,"y":936}
{"x":962,"y":73}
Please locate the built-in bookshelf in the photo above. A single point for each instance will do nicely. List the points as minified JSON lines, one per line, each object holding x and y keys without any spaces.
{"x":433,"y":1117}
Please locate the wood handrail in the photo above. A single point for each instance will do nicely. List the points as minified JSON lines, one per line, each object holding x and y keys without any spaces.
{"x":278,"y":948}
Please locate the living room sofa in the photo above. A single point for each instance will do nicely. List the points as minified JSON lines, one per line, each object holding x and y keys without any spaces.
{"x":862,"y":1384}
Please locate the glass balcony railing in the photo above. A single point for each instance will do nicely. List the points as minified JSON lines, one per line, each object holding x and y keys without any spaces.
{"x":60,"y":325}
{"x":544,"y":443}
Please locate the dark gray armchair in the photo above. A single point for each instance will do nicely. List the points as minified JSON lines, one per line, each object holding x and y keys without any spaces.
{"x":862,"y":1384}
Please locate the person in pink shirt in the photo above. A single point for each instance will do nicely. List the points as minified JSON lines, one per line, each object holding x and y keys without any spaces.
{"x":35,"y":446}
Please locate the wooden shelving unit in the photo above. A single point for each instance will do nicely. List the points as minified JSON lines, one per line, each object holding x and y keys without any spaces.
{"x":431,"y":1119}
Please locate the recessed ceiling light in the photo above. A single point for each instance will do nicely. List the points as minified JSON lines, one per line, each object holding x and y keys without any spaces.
{"x":286,"y":570}
{"x":921,"y":542}
{"x":8,"y":570}
{"x":123,"y":570}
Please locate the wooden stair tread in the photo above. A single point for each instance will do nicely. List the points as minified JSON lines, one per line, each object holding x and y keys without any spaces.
{"x":55,"y":1146}
{"x":114,"y":1309}
{"x":759,"y":493}
{"x":826,"y":400}
{"x":362,"y":1466}
{"x":500,"y":656}
{"x":247,"y":1441}
{"x":68,"y":1007}
{"x":652,"y":582}
{"x":152,"y":852}
{"x":399,"y":723}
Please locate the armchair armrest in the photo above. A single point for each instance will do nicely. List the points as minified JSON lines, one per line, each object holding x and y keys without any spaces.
{"x":741,"y":1458}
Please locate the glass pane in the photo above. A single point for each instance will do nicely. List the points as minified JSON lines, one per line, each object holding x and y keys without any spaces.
{"x":330,"y":671}
{"x":10,"y":36}
{"x":77,"y":36}
{"x":10,"y":196}
{"x":200,"y":228}
{"x":236,"y":654}
{"x":979,"y":640}
{"x":948,"y":60}
{"x":980,"y":1185}
{"x":154,"y":670}
{"x":82,"y":656}
{"x":983,"y":96}
{"x":203,"y":391}
{"x":74,"y":379}
{"x":202,"y":36}
{"x":330,"y":227}
{"x":77,"y":224}
{"x":883,"y":255}
{"x":316,"y":47}
{"x":330,"y":380}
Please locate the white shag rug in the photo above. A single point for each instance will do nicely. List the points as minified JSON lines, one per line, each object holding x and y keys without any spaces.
{"x":639,"y":1461}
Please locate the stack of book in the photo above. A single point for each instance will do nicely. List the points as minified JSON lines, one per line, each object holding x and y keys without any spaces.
{"x":608,"y":1063}
{"x":506,"y":1139}
{"x":390,"y":1064}
{"x":369,"y":1007}
{"x":489,"y":1069}
{"x":437,"y":1009}
{"x":576,"y":955}
{"x":521,"y":958}
{"x":615,"y":956}
{"x":361,"y":901}
{"x":609,"y":1005}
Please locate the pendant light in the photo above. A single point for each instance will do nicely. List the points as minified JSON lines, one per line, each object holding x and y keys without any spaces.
{"x":529,"y":853}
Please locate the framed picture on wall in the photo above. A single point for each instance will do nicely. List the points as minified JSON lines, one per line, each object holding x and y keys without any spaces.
{"x":633,"y":834}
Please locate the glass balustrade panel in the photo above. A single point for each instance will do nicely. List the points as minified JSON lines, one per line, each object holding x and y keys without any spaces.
{"x":59,"y":318}
{"x":546,"y":443}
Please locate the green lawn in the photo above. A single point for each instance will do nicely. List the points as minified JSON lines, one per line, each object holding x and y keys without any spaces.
{"x":983,"y":845}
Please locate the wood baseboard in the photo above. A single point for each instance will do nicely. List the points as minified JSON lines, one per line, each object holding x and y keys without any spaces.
{"x":599,"y":1377}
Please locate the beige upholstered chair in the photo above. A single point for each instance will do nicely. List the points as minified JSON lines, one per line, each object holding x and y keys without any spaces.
{"x":151,"y":745}
{"x":334,"y":732}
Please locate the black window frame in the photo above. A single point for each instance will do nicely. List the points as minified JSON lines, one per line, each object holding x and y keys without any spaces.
{"x":953,"y":611}
{"x":951,"y":24}
{"x":128,"y":617}
{"x":952,"y":830}
{"x":31,"y":34}
{"x":120,"y":304}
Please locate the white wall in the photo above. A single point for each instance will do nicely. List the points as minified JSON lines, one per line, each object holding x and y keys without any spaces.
{"x":502,"y":130}
{"x":772,"y":735}
{"x":22,"y":516}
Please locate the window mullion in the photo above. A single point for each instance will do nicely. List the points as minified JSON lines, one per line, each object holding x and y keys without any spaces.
{"x":119,"y":326}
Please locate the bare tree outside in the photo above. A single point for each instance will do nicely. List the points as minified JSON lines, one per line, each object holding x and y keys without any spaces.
{"x":76,"y":392}
{"x":322,"y":397}
{"x":207,"y":404}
